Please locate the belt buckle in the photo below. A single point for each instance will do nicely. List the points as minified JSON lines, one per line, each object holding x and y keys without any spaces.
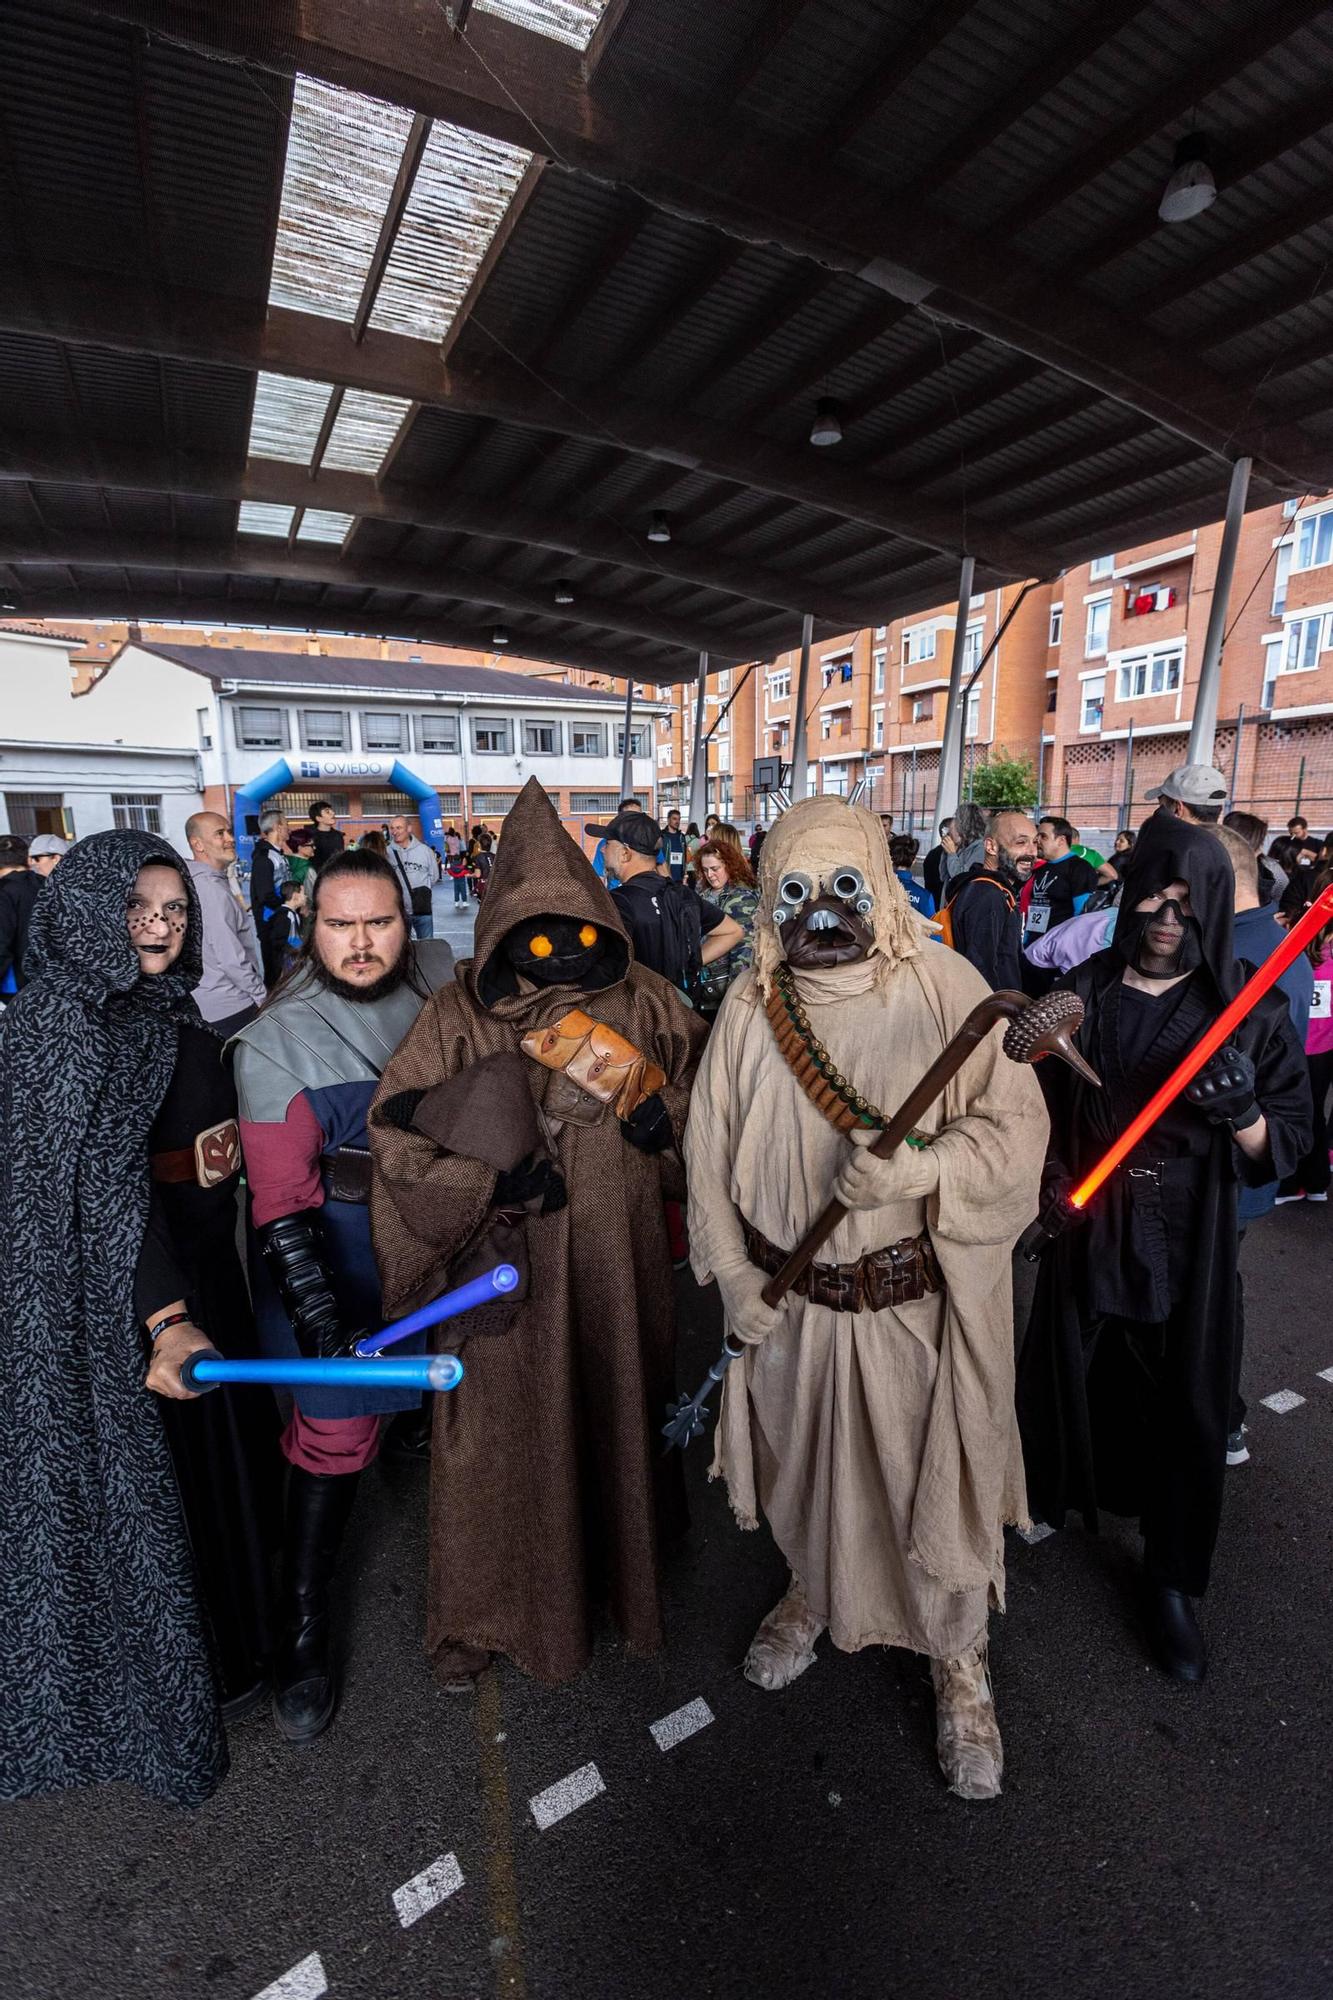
{"x":217,"y":1154}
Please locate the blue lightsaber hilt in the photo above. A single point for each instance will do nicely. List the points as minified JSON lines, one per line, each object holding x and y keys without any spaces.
{"x":477,"y":1292}
{"x":206,"y":1369}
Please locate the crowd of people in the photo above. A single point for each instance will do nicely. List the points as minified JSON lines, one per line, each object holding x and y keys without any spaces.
{"x":668,"y":1027}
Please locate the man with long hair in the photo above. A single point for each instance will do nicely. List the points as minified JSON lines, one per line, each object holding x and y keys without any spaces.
{"x":306,"y":1071}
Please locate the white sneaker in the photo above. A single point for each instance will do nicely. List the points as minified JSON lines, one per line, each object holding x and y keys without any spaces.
{"x":1280,"y":1199}
{"x":1318,"y":1197}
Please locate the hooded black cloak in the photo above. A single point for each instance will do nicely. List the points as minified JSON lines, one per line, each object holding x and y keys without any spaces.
{"x":104,"y":1667}
{"x":1124,"y":1381}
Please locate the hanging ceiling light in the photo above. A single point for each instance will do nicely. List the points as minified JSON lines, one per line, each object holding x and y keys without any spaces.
{"x":564,"y":592}
{"x":1191,"y":188}
{"x":500,"y":636}
{"x":827,"y":426}
{"x":659,"y":528}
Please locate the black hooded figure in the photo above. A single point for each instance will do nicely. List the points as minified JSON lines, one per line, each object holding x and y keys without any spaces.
{"x":108,"y":1656}
{"x":1124,"y":1381}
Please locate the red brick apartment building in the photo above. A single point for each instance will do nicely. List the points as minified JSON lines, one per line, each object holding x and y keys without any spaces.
{"x":1092,"y":681}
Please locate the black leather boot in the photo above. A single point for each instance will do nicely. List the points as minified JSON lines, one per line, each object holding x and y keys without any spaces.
{"x":1174,"y":1632}
{"x":407,"y":1439}
{"x":305,"y":1690}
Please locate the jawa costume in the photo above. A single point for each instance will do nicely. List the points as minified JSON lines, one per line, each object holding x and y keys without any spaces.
{"x":872,"y":1415}
{"x":1125,"y":1379}
{"x":511,"y":1125}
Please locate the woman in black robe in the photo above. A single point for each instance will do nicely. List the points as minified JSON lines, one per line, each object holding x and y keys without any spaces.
{"x":1124,"y":1381}
{"x":118,"y":1646}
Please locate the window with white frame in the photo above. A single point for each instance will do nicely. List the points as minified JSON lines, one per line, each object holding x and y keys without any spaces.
{"x":837,"y":670}
{"x":1281,"y":572}
{"x":438,"y":732}
{"x":1097,"y":633}
{"x":1094,"y":701}
{"x":724,"y":681}
{"x":1307,"y":638}
{"x":1149,"y":673}
{"x":1272,"y":668}
{"x":638,"y":739}
{"x":1314,"y":541}
{"x":541,"y":739}
{"x":881,"y":631}
{"x":779,"y":685}
{"x":260,"y":728}
{"x":587,"y":739}
{"x":877,"y":728}
{"x":1290,"y":507}
{"x":972,"y":720}
{"x":918,"y":644}
{"x":972,"y":648}
{"x":490,"y":735}
{"x":324,"y":729}
{"x":1057,"y":624}
{"x":383,"y":731}
{"x":879,"y":660}
{"x":204,"y":717}
{"x":664,"y":756}
{"x":1101,"y":566}
{"x":140,"y":810}
{"x":923,"y":709}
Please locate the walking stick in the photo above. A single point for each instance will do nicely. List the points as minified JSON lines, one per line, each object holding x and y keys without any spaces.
{"x":1036,"y":1028}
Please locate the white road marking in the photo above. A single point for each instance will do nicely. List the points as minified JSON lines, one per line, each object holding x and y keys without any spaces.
{"x":566,"y":1795}
{"x":417,"y":1898}
{"x":1282,"y":1400}
{"x":669,"y":1730}
{"x":1326,"y":1374}
{"x":305,"y":1981}
{"x":1037,"y":1532}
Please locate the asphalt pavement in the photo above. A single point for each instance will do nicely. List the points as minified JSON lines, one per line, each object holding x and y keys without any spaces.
{"x":1152,"y":1839}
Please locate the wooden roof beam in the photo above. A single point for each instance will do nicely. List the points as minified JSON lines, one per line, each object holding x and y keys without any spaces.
{"x":528,"y":91}
{"x":286,"y":485}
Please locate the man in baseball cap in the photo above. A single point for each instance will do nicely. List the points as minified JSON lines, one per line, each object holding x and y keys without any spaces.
{"x":673,"y":931}
{"x":1192,"y":791}
{"x":45,"y":852}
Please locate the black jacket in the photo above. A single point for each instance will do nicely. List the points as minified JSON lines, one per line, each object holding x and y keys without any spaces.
{"x":987,"y":928}
{"x":18,"y":892}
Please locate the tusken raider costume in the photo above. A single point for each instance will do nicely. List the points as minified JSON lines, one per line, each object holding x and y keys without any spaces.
{"x":871,"y":1418}
{"x":1125,"y":1380}
{"x":533,"y":1115}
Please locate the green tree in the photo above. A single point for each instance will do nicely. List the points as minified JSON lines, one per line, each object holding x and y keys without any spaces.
{"x":1004,"y":784}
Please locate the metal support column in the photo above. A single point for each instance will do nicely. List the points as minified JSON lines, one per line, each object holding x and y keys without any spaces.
{"x":699,"y":766}
{"x":1235,"y":755}
{"x":627,"y":758}
{"x":951,"y":750}
{"x":800,"y":756}
{"x":1204,"y":726}
{"x":1127,"y":802}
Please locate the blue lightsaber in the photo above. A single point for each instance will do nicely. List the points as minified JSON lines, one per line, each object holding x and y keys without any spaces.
{"x":477,"y":1292}
{"x":206,"y":1369}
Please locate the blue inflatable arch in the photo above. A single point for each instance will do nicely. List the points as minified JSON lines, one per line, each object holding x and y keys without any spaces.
{"x":332,"y":771}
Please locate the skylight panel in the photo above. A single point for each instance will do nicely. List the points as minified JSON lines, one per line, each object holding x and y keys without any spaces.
{"x":261,"y":517}
{"x":287,"y":415}
{"x":365,"y":428}
{"x":463,"y":186}
{"x":572,"y":21}
{"x":343,"y":153}
{"x":319,"y":524}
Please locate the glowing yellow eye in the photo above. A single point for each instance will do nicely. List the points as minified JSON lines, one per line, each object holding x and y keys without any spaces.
{"x":541,"y":947}
{"x":588,"y":935}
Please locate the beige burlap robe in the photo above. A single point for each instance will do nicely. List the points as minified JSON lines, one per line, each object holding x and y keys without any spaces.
{"x":882,"y":1447}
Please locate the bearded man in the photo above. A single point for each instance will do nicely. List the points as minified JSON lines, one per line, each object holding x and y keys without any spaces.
{"x":532,"y":1116}
{"x":306,"y":1071}
{"x":871,"y":1416}
{"x":1126,"y":1379}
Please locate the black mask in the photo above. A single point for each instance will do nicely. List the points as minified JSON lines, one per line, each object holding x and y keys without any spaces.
{"x":558,"y":951}
{"x":1131,"y":941}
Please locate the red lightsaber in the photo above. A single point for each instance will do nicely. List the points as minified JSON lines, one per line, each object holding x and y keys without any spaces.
{"x":1319,"y":913}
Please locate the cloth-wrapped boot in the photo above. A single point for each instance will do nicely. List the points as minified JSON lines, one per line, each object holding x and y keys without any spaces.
{"x":305,"y":1689}
{"x":784,"y":1645}
{"x":967,"y":1735}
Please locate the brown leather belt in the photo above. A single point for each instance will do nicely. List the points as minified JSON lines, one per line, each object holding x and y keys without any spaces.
{"x":214,"y":1157}
{"x":893,"y":1276}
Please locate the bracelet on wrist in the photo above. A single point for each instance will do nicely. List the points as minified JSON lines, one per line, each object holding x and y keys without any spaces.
{"x":172,"y":1319}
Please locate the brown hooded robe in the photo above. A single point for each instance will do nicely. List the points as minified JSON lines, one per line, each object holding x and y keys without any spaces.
{"x":547,"y":1487}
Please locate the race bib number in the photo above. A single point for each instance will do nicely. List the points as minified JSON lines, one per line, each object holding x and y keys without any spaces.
{"x":1039,"y":919}
{"x":1321,"y":1007}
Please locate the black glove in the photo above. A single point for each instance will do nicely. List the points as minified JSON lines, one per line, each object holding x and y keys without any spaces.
{"x":519,"y":1186}
{"x":1224,"y":1089}
{"x":1056,"y":1214}
{"x":648,"y":1127}
{"x":293,"y":1248}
